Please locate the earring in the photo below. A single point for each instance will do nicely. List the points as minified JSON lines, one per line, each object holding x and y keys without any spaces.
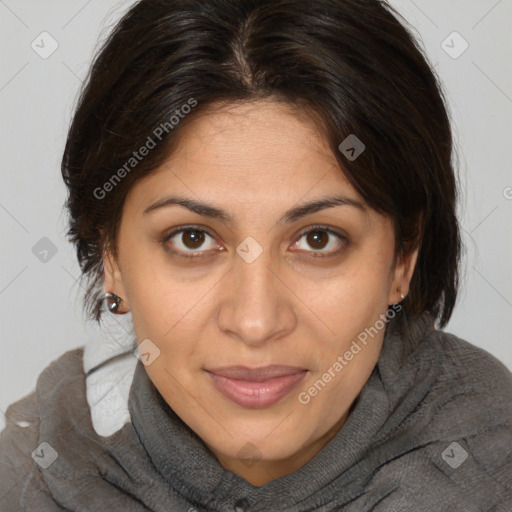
{"x":113,"y":302}
{"x":402,"y":296}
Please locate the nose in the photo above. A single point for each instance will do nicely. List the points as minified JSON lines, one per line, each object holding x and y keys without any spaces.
{"x":257,"y":305}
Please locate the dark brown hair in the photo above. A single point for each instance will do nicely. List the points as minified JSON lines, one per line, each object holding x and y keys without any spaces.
{"x":351,"y":63}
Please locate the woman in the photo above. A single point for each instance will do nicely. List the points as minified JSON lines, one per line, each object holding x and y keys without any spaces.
{"x":265,"y":188}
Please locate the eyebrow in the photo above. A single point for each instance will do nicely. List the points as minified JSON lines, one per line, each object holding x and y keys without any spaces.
{"x":292,"y":215}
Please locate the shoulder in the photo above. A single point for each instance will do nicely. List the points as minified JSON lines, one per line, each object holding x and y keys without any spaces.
{"x":19,"y":440}
{"x":25,"y":411}
{"x":472,"y":391}
{"x":451,"y":443}
{"x":471,"y":369}
{"x":69,"y":364}
{"x":470,"y":420}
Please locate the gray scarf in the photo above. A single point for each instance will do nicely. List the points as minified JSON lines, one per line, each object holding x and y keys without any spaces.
{"x":431,"y":430}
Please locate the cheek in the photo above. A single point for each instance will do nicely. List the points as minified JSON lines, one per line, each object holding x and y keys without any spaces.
{"x":349,"y":306}
{"x":156,"y":296}
{"x":350,"y":298}
{"x":169,"y":314}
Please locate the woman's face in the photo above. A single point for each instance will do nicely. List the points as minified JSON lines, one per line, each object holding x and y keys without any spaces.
{"x":261,"y":286}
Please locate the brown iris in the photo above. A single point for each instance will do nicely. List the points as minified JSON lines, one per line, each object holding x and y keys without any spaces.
{"x":317,"y":239}
{"x":195,"y":238}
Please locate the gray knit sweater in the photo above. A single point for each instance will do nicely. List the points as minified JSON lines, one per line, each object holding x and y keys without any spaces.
{"x":431,"y":431}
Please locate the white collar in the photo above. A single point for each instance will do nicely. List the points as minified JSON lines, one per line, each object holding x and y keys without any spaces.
{"x":110,"y":362}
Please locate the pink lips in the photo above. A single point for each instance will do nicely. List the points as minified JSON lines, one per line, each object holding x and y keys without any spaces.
{"x":260,"y":387}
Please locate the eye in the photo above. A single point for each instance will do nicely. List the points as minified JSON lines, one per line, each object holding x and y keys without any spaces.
{"x":322,"y":240}
{"x":187,"y":242}
{"x":192,"y":242}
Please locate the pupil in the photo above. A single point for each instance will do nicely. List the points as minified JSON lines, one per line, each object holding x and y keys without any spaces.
{"x":195,"y":237}
{"x":315,"y":239}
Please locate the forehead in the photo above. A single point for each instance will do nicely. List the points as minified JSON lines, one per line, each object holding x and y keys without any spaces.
{"x":260,"y":133}
{"x":243,"y":147}
{"x":249,"y":161}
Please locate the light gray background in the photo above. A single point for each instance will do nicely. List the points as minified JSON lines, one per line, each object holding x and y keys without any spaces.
{"x":40,"y":309}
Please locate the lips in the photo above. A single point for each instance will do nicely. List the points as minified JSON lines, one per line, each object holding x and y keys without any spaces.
{"x":258,"y":387}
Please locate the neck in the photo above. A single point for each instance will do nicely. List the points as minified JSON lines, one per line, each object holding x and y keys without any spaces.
{"x":264,"y":471}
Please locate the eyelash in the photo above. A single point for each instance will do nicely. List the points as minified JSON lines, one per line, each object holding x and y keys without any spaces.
{"x":314,"y":254}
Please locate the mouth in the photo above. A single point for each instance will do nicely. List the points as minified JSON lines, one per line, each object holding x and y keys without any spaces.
{"x":256,"y":388}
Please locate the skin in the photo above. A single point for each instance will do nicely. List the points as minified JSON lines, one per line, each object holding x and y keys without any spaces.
{"x":289,"y":306}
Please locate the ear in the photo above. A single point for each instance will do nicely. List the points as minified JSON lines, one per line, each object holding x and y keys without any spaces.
{"x":113,"y":280}
{"x":402,"y":275}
